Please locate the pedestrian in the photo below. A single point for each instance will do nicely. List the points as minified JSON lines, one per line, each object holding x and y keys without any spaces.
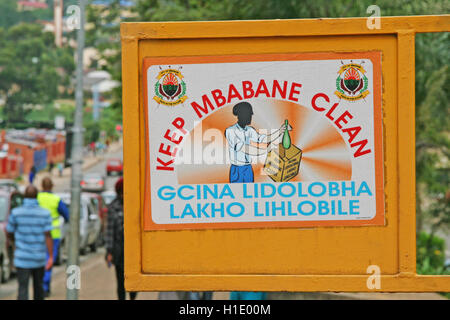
{"x":32,"y":174}
{"x":51,"y":166}
{"x":115,"y":242}
{"x":29,"y":227}
{"x":57,"y":207}
{"x":60,"y":169}
{"x":92,"y":145}
{"x":199,"y":295}
{"x":247,"y":295}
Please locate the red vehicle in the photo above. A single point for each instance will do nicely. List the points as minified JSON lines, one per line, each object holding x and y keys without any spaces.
{"x":114,"y":165}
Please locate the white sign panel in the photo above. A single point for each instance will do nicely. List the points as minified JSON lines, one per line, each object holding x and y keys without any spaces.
{"x":263,"y":141}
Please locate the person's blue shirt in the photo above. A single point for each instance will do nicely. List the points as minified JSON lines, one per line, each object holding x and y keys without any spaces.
{"x":31,"y":176}
{"x":29,"y":223}
{"x":63,"y":210}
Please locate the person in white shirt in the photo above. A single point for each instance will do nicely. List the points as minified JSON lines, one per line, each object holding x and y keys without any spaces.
{"x":244,"y":142}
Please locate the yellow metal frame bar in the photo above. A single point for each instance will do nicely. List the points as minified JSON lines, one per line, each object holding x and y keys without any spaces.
{"x":404,"y":28}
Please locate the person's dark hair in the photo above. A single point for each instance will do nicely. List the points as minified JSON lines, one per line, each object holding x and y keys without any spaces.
{"x":47,"y":184}
{"x":244,"y":112}
{"x":31,"y":192}
{"x":119,"y":187}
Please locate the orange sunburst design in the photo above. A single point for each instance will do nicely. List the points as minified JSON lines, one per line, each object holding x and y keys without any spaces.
{"x":351,"y":74}
{"x":329,"y":169}
{"x":327,"y":139}
{"x":170,"y":79}
{"x":270,"y":114}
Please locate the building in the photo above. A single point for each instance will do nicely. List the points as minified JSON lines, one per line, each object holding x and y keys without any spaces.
{"x":31,"y":5}
{"x":23,"y":149}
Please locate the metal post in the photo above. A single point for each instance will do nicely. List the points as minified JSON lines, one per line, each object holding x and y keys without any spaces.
{"x":77,"y":160}
{"x":96,"y":101}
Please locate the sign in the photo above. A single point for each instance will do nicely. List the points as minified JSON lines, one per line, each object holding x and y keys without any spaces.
{"x":60,"y":122}
{"x":267,"y":141}
{"x":274,"y":155}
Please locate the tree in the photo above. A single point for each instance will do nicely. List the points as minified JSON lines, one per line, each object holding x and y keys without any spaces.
{"x":432,"y":123}
{"x":9,"y":15}
{"x":30,"y":69}
{"x":104,"y":34}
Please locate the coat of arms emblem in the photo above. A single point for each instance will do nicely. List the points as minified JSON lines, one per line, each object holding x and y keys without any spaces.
{"x":170,"y":88}
{"x":352,"y":83}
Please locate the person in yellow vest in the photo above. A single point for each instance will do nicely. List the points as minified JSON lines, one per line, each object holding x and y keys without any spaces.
{"x":57,"y":207}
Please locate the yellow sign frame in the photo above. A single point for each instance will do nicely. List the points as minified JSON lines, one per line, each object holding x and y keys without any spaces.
{"x":221,"y":260}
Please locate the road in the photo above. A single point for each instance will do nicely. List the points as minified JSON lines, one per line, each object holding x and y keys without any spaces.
{"x":98,"y":282}
{"x":100,"y":167}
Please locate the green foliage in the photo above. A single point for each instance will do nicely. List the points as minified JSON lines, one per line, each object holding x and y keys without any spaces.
{"x":30,"y":67}
{"x":49,"y":111}
{"x":9,"y":15}
{"x":109,"y":118}
{"x":430,"y":254}
{"x":104,"y":35}
{"x":432,"y":125}
{"x":178,"y":10}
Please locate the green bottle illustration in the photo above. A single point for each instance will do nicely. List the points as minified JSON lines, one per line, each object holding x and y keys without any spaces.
{"x":286,"y":137}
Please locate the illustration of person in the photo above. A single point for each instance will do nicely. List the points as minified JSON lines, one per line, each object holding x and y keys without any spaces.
{"x":244,"y":142}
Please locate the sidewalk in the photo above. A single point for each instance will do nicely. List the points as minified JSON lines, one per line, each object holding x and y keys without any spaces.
{"x":98,"y":282}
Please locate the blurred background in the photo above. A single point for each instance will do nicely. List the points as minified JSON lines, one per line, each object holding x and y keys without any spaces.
{"x":37,"y":104}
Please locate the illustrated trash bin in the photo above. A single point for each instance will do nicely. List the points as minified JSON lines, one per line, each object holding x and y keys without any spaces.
{"x":283,"y":164}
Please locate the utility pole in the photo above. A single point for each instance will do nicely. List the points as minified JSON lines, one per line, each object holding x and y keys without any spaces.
{"x":77,"y":161}
{"x":96,"y":98}
{"x":57,"y":20}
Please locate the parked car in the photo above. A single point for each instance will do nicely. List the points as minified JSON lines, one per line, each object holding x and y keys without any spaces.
{"x":114,"y":166}
{"x":100,"y":206}
{"x":8,"y":201}
{"x":5,"y":269}
{"x":9,"y":185}
{"x":90,"y":223}
{"x":90,"y":226}
{"x":93,"y":182}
